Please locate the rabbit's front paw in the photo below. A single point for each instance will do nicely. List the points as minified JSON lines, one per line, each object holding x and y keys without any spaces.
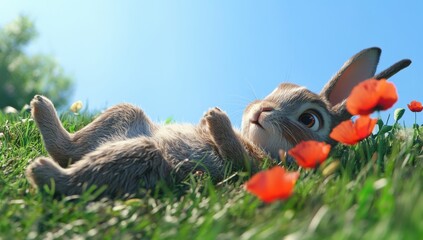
{"x":217,"y":121}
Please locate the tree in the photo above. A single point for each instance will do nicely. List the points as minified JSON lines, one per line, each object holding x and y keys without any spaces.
{"x":23,"y":76}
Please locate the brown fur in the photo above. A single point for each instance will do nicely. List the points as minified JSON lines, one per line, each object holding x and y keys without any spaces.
{"x":124,"y":150}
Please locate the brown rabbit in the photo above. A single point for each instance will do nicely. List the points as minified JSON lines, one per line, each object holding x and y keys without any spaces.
{"x":124,"y":150}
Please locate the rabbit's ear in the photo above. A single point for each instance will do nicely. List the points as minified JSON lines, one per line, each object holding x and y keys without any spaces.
{"x":392,"y":70}
{"x":357,"y":69}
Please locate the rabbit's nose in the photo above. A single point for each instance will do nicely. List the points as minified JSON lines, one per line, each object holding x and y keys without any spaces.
{"x":256,"y":115}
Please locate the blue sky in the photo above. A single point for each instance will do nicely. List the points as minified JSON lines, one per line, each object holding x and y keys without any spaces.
{"x":179,"y":58}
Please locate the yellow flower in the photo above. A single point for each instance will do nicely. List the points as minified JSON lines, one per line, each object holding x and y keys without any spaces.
{"x":76,"y":106}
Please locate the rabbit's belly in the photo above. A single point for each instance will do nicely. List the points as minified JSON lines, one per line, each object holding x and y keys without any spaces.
{"x":192,"y":148}
{"x":184,"y":145}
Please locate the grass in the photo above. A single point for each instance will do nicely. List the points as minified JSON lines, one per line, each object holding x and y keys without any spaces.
{"x":375,"y":193}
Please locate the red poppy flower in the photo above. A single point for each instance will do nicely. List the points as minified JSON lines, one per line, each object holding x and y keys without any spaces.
{"x":309,"y":154}
{"x":272,"y":184}
{"x":371,"y":95}
{"x":351,"y":133}
{"x":415,"y":106}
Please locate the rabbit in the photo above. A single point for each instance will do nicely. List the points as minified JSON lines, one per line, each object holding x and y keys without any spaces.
{"x":124,"y":150}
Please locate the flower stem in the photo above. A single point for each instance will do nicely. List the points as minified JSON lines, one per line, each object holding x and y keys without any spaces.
{"x":381,"y":152}
{"x":415,"y":118}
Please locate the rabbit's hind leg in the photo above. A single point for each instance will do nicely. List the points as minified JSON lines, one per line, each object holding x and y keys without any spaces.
{"x":120,"y":121}
{"x":45,"y":172}
{"x":122,"y":167}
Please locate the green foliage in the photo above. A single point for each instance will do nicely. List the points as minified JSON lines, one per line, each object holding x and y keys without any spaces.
{"x":23,"y":76}
{"x":357,"y":200}
{"x":398,"y":113}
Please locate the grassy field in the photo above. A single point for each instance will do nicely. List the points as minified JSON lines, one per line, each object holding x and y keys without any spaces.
{"x":375,"y":193}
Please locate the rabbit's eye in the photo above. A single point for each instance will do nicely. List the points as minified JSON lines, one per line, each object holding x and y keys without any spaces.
{"x":311,"y":120}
